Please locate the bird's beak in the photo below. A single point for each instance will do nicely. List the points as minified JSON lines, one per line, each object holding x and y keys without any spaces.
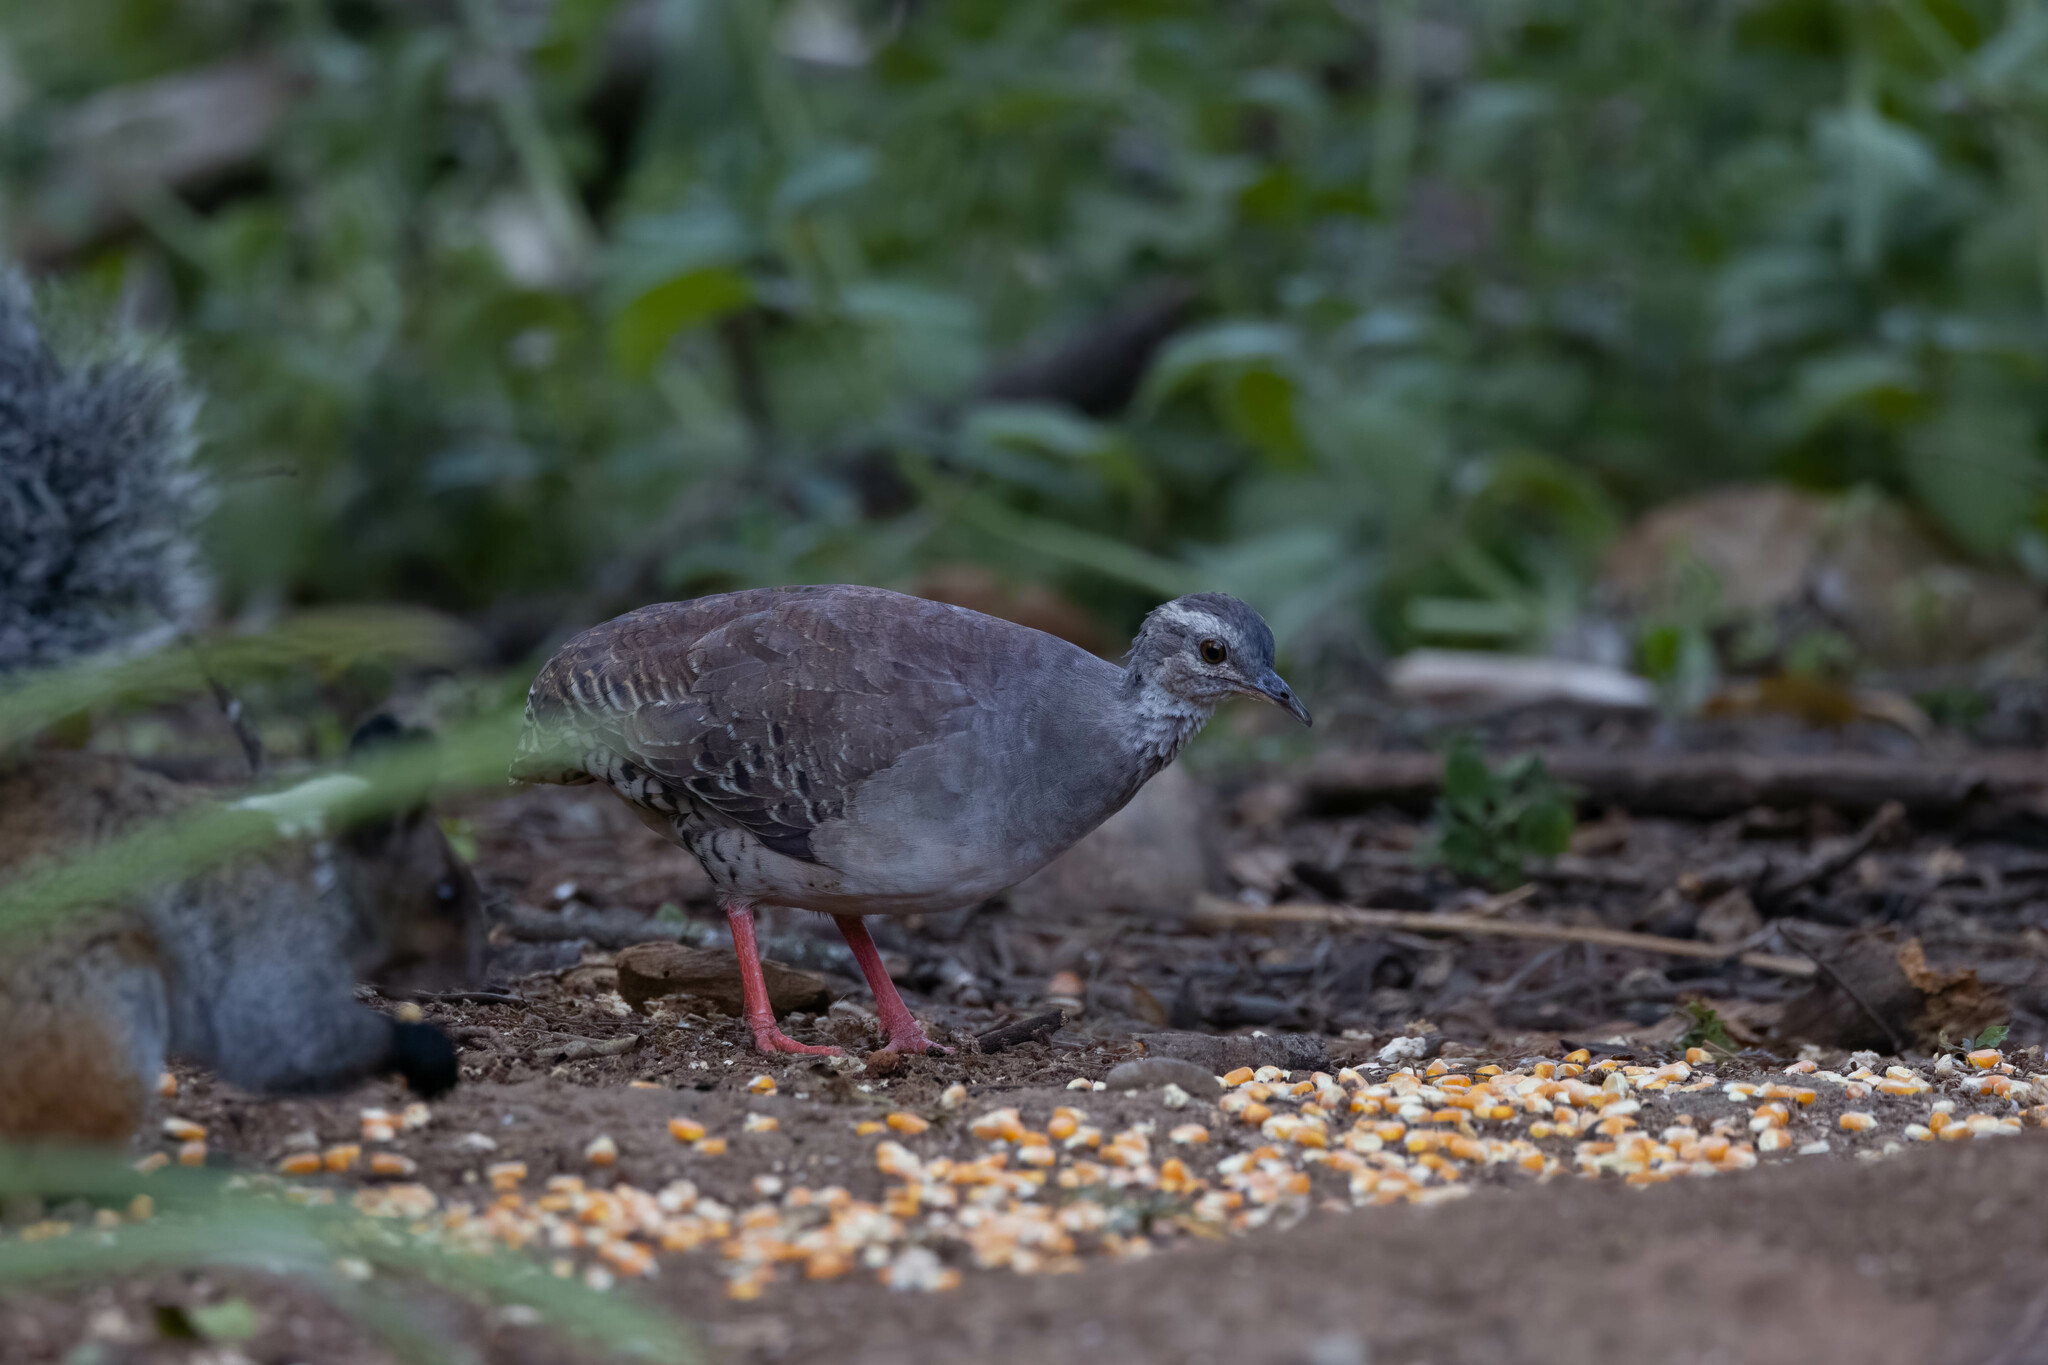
{"x":1274,"y":689}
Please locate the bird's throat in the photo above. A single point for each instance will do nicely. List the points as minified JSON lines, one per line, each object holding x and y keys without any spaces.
{"x":1162,"y":724}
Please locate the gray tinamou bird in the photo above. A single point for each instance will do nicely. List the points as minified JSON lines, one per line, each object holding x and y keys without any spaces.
{"x":856,"y":752}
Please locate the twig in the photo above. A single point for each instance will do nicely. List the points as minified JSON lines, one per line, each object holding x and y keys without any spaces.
{"x":1036,"y":1029}
{"x":1842,"y":983}
{"x":1889,"y":817}
{"x":1213,"y":912}
{"x":450,"y":997}
{"x":563,"y":1047}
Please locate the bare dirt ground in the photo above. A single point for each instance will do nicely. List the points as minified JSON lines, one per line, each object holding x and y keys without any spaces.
{"x":1539,"y":1175}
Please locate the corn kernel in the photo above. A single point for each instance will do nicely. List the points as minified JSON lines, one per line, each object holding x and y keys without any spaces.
{"x":1698,"y":1056}
{"x":300,"y":1163}
{"x":1189,"y":1132}
{"x":341,"y":1156}
{"x":953,"y":1096}
{"x":192,"y":1153}
{"x":1578,"y":1056}
{"x":760,"y":1123}
{"x":685,"y":1130}
{"x":505,"y":1175}
{"x":907,"y":1123}
{"x":1984,"y":1058}
{"x":762,"y":1085}
{"x":1001,"y":1124}
{"x":602,"y":1151}
{"x":391,"y":1163}
{"x":184,"y":1130}
{"x":1856,"y":1121}
{"x":1037,"y":1154}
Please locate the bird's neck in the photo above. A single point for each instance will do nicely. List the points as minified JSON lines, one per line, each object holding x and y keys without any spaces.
{"x":1161,"y":723}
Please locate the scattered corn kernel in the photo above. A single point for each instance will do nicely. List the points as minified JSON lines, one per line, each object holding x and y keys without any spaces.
{"x":685,"y":1130}
{"x":760,"y":1123}
{"x":192,"y":1153}
{"x":907,"y":1123}
{"x":184,"y":1130}
{"x":341,"y":1156}
{"x":391,"y":1163}
{"x":602,"y":1151}
{"x":763,"y":1084}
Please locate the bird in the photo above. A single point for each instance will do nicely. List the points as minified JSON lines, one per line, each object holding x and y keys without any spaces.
{"x":854,"y":751}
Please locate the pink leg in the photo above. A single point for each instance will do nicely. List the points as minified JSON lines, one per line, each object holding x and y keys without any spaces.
{"x":904,"y":1034}
{"x":739,"y":916}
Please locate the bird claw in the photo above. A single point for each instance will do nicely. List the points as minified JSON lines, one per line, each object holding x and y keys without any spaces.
{"x":772,"y":1039}
{"x":912,"y":1039}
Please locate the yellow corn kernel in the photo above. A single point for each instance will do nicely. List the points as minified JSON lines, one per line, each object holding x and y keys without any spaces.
{"x":1856,"y":1121}
{"x":1189,"y":1132}
{"x":1003,"y":1124}
{"x":1984,"y":1058}
{"x":184,"y":1130}
{"x":711,"y":1146}
{"x":762,"y":1085}
{"x":868,"y":1127}
{"x":391,"y":1163}
{"x":505,"y":1175}
{"x":1578,"y":1056}
{"x":760,"y":1123}
{"x":300,"y":1163}
{"x":953,"y":1096}
{"x":685,"y":1130}
{"x":166,"y":1086}
{"x":341,"y":1156}
{"x":1256,"y":1114}
{"x":1238,"y":1077}
{"x":909,"y":1123}
{"x":602,"y":1151}
{"x":192,"y":1153}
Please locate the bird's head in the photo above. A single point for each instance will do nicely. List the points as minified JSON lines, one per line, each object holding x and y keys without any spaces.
{"x":1204,"y":648}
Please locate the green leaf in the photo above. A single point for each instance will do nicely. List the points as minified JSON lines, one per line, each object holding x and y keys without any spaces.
{"x":643,"y":329}
{"x":827,"y":174}
{"x":1223,"y":346}
{"x":1044,"y":427}
{"x":228,"y":1320}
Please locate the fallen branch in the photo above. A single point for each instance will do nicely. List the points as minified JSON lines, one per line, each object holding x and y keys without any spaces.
{"x":1036,"y":1029}
{"x":1707,"y":786}
{"x":1213,"y":913}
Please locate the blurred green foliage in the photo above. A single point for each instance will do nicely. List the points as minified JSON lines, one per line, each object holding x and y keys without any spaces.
{"x":372,"y":1271}
{"x":1490,"y":824}
{"x":601,"y":296}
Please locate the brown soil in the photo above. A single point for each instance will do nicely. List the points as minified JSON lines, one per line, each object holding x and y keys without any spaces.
{"x":1924,"y":1252}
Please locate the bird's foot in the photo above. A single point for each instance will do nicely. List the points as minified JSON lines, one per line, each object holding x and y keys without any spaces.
{"x":773,"y":1039}
{"x":908,"y":1037}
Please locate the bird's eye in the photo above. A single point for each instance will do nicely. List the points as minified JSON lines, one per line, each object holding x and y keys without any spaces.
{"x":1213,"y":652}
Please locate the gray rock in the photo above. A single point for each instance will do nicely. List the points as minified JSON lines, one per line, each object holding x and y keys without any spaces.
{"x":1219,"y":1056}
{"x":1147,"y":1073}
{"x":1150,"y":858}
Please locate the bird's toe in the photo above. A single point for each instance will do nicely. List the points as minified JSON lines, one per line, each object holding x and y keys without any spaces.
{"x":775,"y":1040}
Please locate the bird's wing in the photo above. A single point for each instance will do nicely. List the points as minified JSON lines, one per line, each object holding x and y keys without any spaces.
{"x":766,"y":707}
